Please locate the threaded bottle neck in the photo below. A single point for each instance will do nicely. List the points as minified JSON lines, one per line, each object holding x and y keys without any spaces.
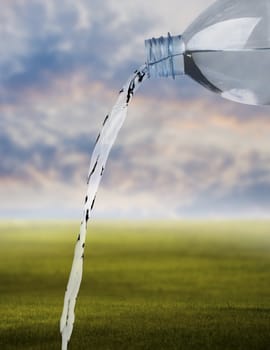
{"x":165,"y":56}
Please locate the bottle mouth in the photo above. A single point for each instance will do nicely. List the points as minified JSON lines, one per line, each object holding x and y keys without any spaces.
{"x":165,"y":56}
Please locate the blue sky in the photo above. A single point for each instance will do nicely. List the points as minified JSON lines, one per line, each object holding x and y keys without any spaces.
{"x":183,"y":151}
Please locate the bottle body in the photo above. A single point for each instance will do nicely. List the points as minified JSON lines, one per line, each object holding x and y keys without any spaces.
{"x":240,"y":75}
{"x":227,"y":50}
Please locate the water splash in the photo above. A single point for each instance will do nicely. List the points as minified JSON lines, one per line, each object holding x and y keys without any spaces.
{"x":104,"y":142}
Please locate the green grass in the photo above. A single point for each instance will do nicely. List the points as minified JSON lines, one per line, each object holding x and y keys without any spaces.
{"x":184,"y":285}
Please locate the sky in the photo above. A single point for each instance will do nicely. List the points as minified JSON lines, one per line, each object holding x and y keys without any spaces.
{"x":183,"y":152}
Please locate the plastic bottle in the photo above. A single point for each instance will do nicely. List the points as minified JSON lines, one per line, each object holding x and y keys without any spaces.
{"x":226,"y":49}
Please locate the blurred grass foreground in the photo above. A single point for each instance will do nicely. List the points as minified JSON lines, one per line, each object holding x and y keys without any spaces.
{"x":178,"y":285}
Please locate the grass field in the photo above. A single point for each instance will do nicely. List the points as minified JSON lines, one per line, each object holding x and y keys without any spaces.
{"x":185,"y":285}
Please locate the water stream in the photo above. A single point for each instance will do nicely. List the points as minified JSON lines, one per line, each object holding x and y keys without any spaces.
{"x":104,"y":142}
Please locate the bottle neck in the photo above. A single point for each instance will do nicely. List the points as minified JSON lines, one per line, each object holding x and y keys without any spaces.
{"x":165,"y":56}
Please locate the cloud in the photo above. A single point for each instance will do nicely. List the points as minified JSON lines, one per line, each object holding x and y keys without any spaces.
{"x":45,"y":40}
{"x":182,"y":151}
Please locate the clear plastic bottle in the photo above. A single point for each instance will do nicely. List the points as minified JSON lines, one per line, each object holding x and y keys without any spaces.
{"x":226,"y":49}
